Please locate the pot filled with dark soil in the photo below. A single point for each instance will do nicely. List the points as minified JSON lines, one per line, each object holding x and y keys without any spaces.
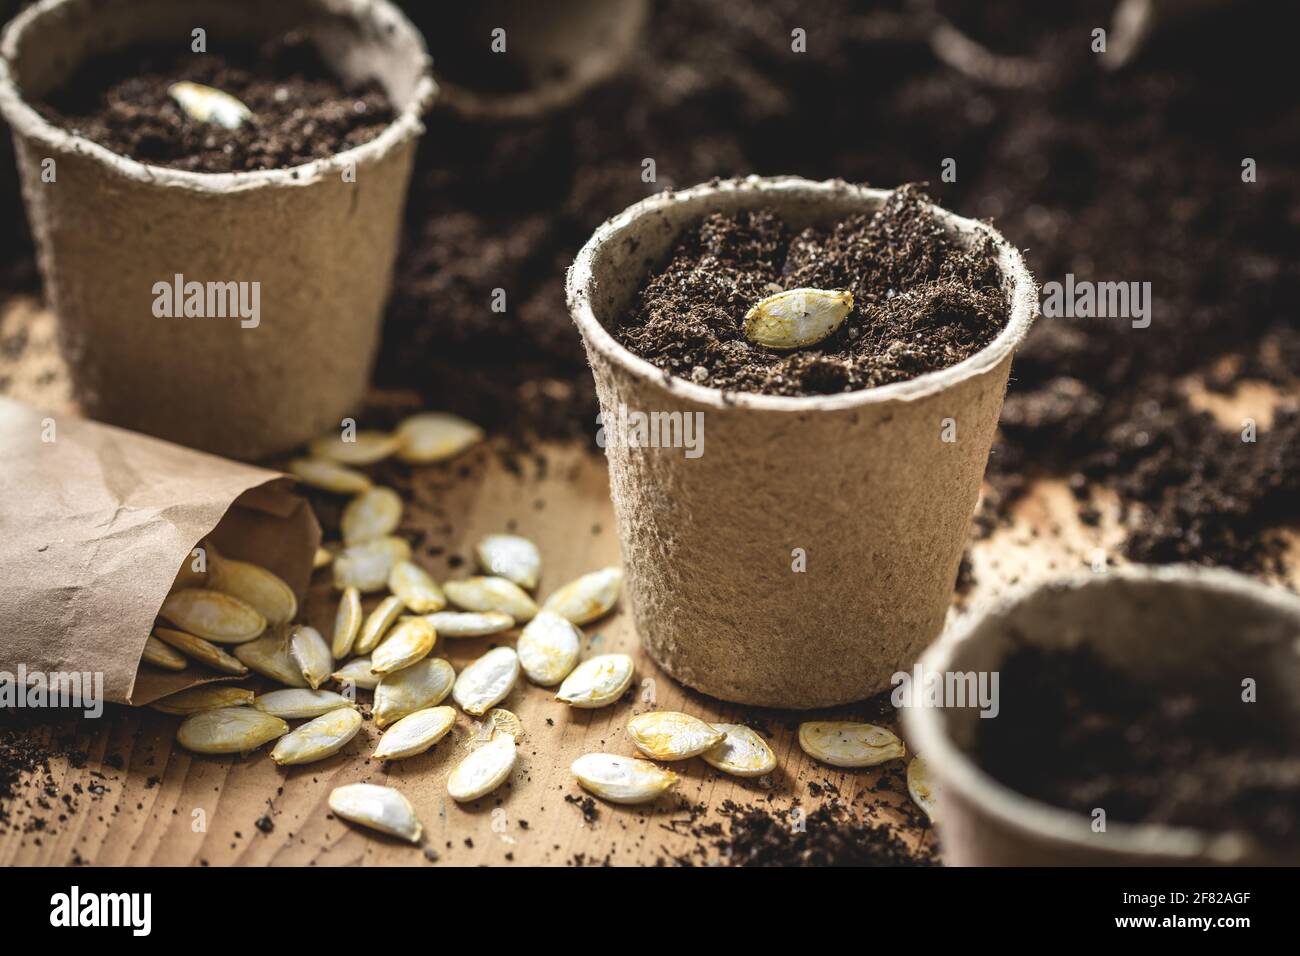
{"x":216,"y":191}
{"x":1146,"y":716}
{"x":792,"y":518}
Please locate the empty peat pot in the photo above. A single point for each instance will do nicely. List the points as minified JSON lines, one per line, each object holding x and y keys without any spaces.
{"x":320,"y":244}
{"x":1181,"y":629}
{"x":860,"y":480}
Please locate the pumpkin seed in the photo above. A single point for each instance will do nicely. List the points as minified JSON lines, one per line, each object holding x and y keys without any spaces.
{"x":207,"y":697}
{"x":366,"y":566}
{"x":200,"y":650}
{"x":483,"y":770}
{"x":742,"y":754}
{"x":672,"y":735}
{"x":317,"y":739}
{"x":212,"y":615}
{"x":416,"y":588}
{"x":498,"y":720}
{"x":269,"y":656}
{"x":797,"y":317}
{"x":357,"y":672}
{"x":367,"y":447}
{"x":922,"y":787}
{"x":383,"y":617}
{"x":548,"y":648}
{"x":160,"y":655}
{"x":415,"y":733}
{"x":321,"y":558}
{"x":470,"y":624}
{"x":206,"y":104}
{"x":491,"y":594}
{"x":588,"y":598}
{"x":262,"y":590}
{"x":843,"y":743}
{"x":298,"y":703}
{"x":410,"y":640}
{"x":347,"y":623}
{"x":370,"y":515}
{"x":329,"y":476}
{"x":376,"y":807}
{"x":435,"y":436}
{"x":622,"y":779}
{"x":487,"y":681}
{"x":511,"y":557}
{"x":229,"y":730}
{"x":424,"y":684}
{"x":312,"y":655}
{"x":597,"y":681}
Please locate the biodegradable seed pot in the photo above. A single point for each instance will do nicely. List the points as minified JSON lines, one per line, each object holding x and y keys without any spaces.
{"x":860,"y":482}
{"x":1180,"y":628}
{"x":310,"y":248}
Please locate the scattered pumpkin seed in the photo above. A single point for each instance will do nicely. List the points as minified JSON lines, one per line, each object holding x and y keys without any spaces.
{"x":269,"y":656}
{"x":194,"y":700}
{"x":376,"y":807}
{"x":357,"y":672}
{"x":205,"y":652}
{"x":212,"y":615}
{"x":416,"y":588}
{"x":415,"y":733}
{"x":321,"y":558}
{"x":587,"y":598}
{"x":491,"y":594}
{"x":317,"y":739}
{"x":842,"y":743}
{"x":347,"y":623}
{"x":672,"y":735}
{"x":797,"y":317}
{"x":329,"y":476}
{"x":742,"y":754}
{"x":312,"y":655}
{"x":160,"y":655}
{"x":470,"y":624}
{"x":373,"y":514}
{"x":498,"y":720}
{"x":597,"y":681}
{"x":486,"y":682}
{"x":424,"y":684}
{"x":548,"y":648}
{"x":483,"y":770}
{"x":229,"y":730}
{"x":368,"y":448}
{"x":206,"y":104}
{"x":410,"y":640}
{"x":511,"y":557}
{"x":383,"y":617}
{"x":298,"y":703}
{"x":922,"y":787}
{"x":366,"y":566}
{"x":622,"y":779}
{"x":262,"y":590}
{"x":435,"y":436}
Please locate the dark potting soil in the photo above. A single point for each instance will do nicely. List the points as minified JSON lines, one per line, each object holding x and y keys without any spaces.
{"x":920,"y":301}
{"x":1077,"y":733}
{"x":301,"y":111}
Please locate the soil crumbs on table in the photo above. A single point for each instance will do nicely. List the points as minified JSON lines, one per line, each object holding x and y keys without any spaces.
{"x":301,"y":111}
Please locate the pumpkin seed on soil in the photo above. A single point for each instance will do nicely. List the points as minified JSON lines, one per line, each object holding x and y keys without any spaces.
{"x":483,"y":770}
{"x":588,"y":598}
{"x":597,"y":682}
{"x":410,"y":640}
{"x":511,"y":557}
{"x":319,"y":738}
{"x":424,"y":684}
{"x":489,"y":594}
{"x":229,"y":730}
{"x":486,"y":682}
{"x":415,"y":733}
{"x":379,"y":808}
{"x":470,"y":623}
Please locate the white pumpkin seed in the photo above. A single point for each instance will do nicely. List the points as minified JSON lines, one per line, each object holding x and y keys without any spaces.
{"x":161,"y":656}
{"x":483,"y":770}
{"x":298,"y":703}
{"x":487,"y":681}
{"x":622,"y":779}
{"x":370,"y":515}
{"x":207,"y":697}
{"x":842,"y":743}
{"x":262,"y":590}
{"x":376,"y":807}
{"x":511,"y":557}
{"x":319,"y":738}
{"x":321,"y":558}
{"x":229,"y":730}
{"x":797,"y":317}
{"x":367,"y":447}
{"x":484,"y":594}
{"x":269,"y":656}
{"x":742,"y":754}
{"x":357,"y":672}
{"x":347,"y":623}
{"x":312,"y":655}
{"x":672,"y":735}
{"x":588,"y":598}
{"x":597,"y":681}
{"x":470,"y":624}
{"x":424,"y":684}
{"x":213,"y":616}
{"x":410,"y":640}
{"x":498,"y":720}
{"x":548,"y":648}
{"x":383,"y":617}
{"x":206,"y":104}
{"x":435,"y":436}
{"x":415,"y":733}
{"x":205,"y":652}
{"x":922,"y":787}
{"x":329,"y":476}
{"x":416,"y":588}
{"x":366,"y":566}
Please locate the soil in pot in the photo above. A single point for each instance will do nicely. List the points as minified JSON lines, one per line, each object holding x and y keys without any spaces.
{"x":921,"y":302}
{"x":300,"y":110}
{"x":1076,"y":732}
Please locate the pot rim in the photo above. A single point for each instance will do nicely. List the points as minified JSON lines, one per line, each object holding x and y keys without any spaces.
{"x":1018,"y":813}
{"x":712,"y":196}
{"x":406,"y":126}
